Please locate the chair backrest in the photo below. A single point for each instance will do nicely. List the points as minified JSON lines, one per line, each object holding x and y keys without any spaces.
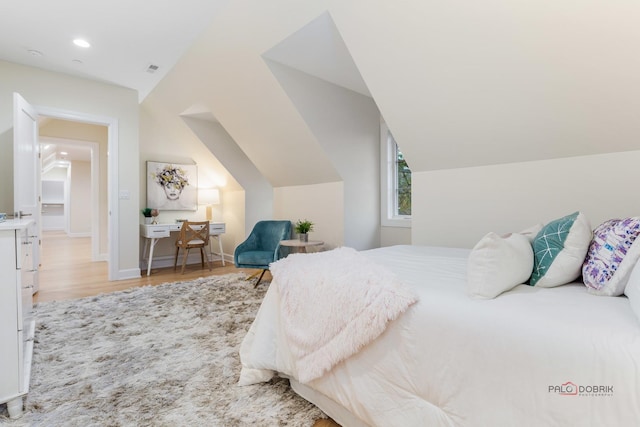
{"x":193,"y":230}
{"x":269,"y":233}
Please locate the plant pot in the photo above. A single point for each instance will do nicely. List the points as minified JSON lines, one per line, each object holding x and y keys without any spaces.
{"x":304,"y":237}
{"x":148,"y":220}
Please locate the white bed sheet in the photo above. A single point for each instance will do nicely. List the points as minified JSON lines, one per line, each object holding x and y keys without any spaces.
{"x":454,"y":361}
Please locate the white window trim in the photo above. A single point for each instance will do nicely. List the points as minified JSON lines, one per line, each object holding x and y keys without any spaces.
{"x":388,"y":177}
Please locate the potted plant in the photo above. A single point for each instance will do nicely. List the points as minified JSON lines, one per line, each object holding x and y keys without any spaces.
{"x":146,"y":212}
{"x":303,"y":228}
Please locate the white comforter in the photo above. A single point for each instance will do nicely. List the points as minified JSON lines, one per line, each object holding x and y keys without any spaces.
{"x":450,"y":360}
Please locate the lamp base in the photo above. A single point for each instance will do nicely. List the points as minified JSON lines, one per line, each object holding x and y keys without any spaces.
{"x":209,"y":213}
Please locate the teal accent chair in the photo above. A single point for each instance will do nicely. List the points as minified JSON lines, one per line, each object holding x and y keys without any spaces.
{"x":262,"y":247}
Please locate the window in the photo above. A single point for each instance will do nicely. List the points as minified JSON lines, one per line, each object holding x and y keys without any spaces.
{"x":395,"y":183}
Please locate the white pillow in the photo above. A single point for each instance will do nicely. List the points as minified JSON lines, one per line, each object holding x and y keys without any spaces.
{"x":497,"y":264}
{"x":632,"y":290}
{"x":531,"y":232}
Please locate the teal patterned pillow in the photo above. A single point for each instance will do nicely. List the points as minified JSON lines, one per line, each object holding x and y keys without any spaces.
{"x":559,"y":250}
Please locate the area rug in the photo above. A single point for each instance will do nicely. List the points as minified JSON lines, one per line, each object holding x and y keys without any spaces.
{"x":154,"y":356}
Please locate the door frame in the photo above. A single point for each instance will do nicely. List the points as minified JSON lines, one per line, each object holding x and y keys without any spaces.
{"x":112,"y":175}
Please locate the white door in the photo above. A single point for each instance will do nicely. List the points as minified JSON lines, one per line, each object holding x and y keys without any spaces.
{"x":26,"y":172}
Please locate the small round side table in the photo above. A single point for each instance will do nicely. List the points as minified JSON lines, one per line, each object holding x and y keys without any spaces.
{"x":299,"y":245}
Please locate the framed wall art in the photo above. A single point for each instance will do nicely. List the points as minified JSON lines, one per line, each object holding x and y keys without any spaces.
{"x":172,"y":186}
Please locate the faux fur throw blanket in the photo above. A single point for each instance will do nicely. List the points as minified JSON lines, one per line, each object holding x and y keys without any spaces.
{"x":334,"y":303}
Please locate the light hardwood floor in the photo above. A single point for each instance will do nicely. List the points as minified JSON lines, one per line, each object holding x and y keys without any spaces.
{"x":67,"y":272}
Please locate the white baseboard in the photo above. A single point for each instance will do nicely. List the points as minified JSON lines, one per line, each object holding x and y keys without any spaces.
{"x":79,"y":234}
{"x":102,"y":257}
{"x":194,"y":258}
{"x":132,"y":273}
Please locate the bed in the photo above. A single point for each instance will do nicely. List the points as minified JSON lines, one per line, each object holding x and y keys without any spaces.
{"x":531,"y":357}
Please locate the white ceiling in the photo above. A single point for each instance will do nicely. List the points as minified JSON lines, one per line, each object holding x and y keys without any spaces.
{"x":126,"y":36}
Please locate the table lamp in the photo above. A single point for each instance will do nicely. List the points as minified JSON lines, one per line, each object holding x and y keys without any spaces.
{"x":209,"y":197}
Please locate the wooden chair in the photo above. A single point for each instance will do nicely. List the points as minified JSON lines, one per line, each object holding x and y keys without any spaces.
{"x":193,"y":234}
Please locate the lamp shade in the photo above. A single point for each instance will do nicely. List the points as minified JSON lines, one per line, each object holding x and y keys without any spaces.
{"x":208,"y":196}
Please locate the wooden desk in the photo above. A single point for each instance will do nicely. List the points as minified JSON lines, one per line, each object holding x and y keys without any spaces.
{"x":300,"y":245}
{"x":153,"y":232}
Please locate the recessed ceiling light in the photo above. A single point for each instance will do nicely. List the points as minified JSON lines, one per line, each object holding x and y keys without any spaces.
{"x":64,"y":153}
{"x":81,"y":43}
{"x":34,"y":52}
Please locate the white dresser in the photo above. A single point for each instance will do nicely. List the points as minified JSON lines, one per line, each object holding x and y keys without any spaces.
{"x":17,"y":325}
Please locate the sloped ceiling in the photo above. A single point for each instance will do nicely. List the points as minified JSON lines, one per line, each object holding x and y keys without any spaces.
{"x":224,"y":73}
{"x":318,"y":50}
{"x":460,"y":84}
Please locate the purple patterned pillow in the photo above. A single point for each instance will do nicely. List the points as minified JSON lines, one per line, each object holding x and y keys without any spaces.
{"x":611,"y":257}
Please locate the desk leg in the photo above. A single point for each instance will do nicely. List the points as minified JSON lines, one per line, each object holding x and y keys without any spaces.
{"x":144,"y":251}
{"x":153,"y":245}
{"x":220,"y":246}
{"x":219,"y":238}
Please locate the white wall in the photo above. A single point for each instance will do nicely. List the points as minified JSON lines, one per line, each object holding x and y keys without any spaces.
{"x":390,"y":236}
{"x":322,"y":204}
{"x":54,"y":90}
{"x":459,"y":206}
{"x":258,"y":192}
{"x":80,"y":208}
{"x":168,"y":137}
{"x":346,"y":124}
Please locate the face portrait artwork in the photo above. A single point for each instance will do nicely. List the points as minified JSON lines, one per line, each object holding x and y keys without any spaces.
{"x":172,"y":179}
{"x":171,"y":186}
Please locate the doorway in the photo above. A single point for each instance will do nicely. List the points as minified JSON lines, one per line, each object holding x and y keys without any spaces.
{"x":74,"y":182}
{"x":108,"y":158}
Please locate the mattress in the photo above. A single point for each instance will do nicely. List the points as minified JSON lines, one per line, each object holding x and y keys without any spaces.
{"x":530,"y":357}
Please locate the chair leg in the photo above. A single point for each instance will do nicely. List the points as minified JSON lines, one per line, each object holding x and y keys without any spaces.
{"x":206,"y":257}
{"x":175,"y":260}
{"x":203,"y":257}
{"x":184,"y":260}
{"x":259,"y":279}
{"x":253,"y":275}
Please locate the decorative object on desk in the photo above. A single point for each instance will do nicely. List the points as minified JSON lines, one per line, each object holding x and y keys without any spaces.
{"x":172,"y":186}
{"x":3,"y":217}
{"x":146,"y":212}
{"x":303,"y":228}
{"x":209,"y":197}
{"x":154,"y":215}
{"x":154,"y":355}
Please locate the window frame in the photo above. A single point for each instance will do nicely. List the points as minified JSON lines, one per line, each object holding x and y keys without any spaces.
{"x":389,"y":182}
